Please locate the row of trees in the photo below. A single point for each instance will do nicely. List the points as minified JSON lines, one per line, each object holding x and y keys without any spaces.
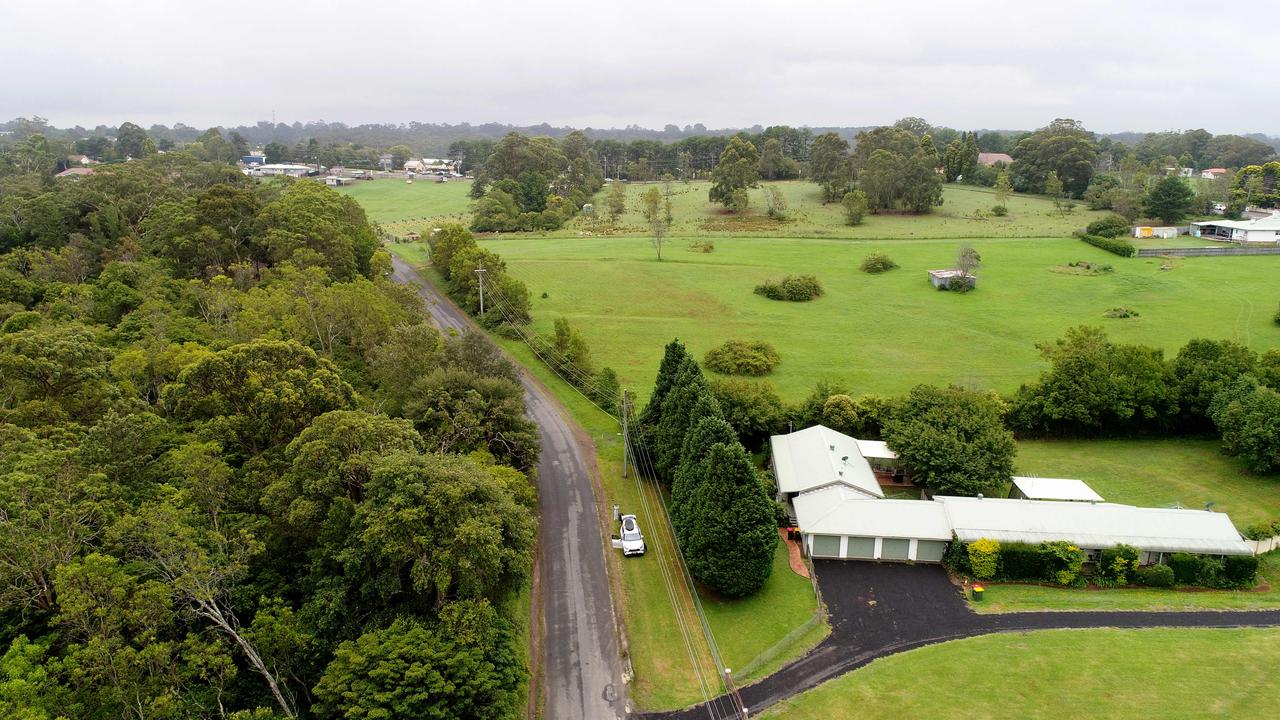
{"x":720,"y":506}
{"x":534,"y":183}
{"x":241,"y":475}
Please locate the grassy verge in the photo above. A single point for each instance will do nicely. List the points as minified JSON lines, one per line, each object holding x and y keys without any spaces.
{"x":1158,"y":473}
{"x":1155,"y":674}
{"x":1015,"y":597}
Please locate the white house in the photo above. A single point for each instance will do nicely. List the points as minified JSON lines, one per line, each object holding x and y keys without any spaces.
{"x":1260,"y":230}
{"x":1213,"y":173}
{"x":827,"y":480}
{"x":281,"y":169}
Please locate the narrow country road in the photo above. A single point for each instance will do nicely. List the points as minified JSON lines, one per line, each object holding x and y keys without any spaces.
{"x":581,"y":667}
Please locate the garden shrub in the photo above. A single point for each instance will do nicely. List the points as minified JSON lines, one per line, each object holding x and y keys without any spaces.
{"x":1111,"y":226}
{"x":1020,"y":561}
{"x":956,"y":557}
{"x":984,"y":558}
{"x":1119,"y":247}
{"x":793,"y":288}
{"x":1157,"y":576}
{"x":742,"y":357}
{"x":999,"y":210}
{"x":1262,"y":530}
{"x":1241,"y":571}
{"x":1210,"y":572}
{"x":877,"y":263}
{"x":855,"y":207}
{"x":1117,"y":564}
{"x":1062,"y":562}
{"x":1185,"y":568}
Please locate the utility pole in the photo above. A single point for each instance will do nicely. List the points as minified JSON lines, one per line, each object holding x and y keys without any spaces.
{"x":625,"y":439}
{"x":480,"y":273}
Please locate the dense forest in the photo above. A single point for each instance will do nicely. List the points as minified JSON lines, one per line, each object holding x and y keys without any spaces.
{"x":240,"y":475}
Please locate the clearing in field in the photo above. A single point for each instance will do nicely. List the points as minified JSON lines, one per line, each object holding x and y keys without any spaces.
{"x":1157,"y":674}
{"x":401,"y":207}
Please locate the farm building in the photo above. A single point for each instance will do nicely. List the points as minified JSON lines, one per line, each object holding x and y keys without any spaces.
{"x":338,"y":181}
{"x":1260,"y":230}
{"x":943,"y":279}
{"x":834,"y":496}
{"x":1212,"y":173}
{"x":1146,"y":231}
{"x":430,"y":166}
{"x":1034,"y":488}
{"x":282,"y":169}
{"x":74,"y":172}
{"x":991,"y":159}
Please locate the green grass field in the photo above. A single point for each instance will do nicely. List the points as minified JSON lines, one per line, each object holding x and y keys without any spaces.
{"x":401,"y":207}
{"x":1158,"y":473}
{"x":882,"y":333}
{"x":1060,"y":675}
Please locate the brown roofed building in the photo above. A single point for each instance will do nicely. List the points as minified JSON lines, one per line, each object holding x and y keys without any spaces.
{"x":990,"y":159}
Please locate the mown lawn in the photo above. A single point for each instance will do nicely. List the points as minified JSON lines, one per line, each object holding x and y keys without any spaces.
{"x":1013,"y":597}
{"x":1156,"y":674}
{"x":402,"y":207}
{"x":1158,"y":473}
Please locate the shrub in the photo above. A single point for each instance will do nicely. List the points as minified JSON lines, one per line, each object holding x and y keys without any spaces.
{"x":1123,"y":248}
{"x":1110,"y":226}
{"x":1158,"y":576}
{"x":1210,"y":572}
{"x":1262,"y":530}
{"x":984,"y":558}
{"x":1117,"y":564}
{"x":877,"y":263}
{"x":999,"y":211}
{"x":702,"y":246}
{"x":775,"y":202}
{"x":1185,"y":567}
{"x":1020,"y":561}
{"x":1120,"y":313}
{"x":739,"y":200}
{"x":956,"y":557}
{"x":793,"y":288}
{"x":1241,"y":570}
{"x":1061,"y":562}
{"x":855,"y":207}
{"x":742,"y":357}
{"x":1276,"y":318}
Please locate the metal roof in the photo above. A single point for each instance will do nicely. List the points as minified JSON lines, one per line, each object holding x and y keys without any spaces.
{"x":819,"y":456}
{"x":1271,"y":222}
{"x":877,"y":449}
{"x":1093,"y":525}
{"x":1036,"y":488}
{"x":839,"y":510}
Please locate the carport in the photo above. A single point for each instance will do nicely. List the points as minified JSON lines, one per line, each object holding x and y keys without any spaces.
{"x":841,"y":523}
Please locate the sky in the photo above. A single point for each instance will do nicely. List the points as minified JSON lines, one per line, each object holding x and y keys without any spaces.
{"x":1116,"y":65}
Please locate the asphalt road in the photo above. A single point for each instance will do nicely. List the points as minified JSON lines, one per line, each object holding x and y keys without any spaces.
{"x":581,"y":666}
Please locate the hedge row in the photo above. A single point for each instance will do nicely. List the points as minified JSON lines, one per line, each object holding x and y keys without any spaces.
{"x":1061,"y":563}
{"x":1123,"y":248}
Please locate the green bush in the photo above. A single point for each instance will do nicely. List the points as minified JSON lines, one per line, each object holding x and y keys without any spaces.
{"x":1120,"y":313}
{"x":792,"y":288}
{"x":855,"y":207}
{"x":739,"y":200}
{"x":1276,"y":318}
{"x":1185,"y":568}
{"x":999,"y":210}
{"x":1210,"y":572}
{"x":1020,"y":561}
{"x":1241,"y":571}
{"x":1123,"y":248}
{"x":742,"y":357}
{"x":1157,"y":576}
{"x":1117,"y":564}
{"x":1062,"y":562}
{"x":877,"y":263}
{"x":1262,"y":530}
{"x":956,"y":557}
{"x":984,"y":558}
{"x":1111,"y":226}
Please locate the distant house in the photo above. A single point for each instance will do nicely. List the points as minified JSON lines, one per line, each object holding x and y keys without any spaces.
{"x":338,"y":181}
{"x":992,"y":159}
{"x":1245,"y":232}
{"x":1213,"y":173}
{"x":80,"y":160}
{"x":944,"y":279}
{"x":254,"y":159}
{"x":1185,"y":172}
{"x":75,"y":172}
{"x":384,"y":160}
{"x":431,"y":166}
{"x":1147,"y":231}
{"x":282,"y":169}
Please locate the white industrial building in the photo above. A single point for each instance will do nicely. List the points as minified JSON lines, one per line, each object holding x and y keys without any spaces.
{"x":835,"y":498}
{"x":1260,"y":230}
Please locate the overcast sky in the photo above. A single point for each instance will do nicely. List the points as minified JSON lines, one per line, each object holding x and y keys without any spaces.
{"x":1117,"y":65}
